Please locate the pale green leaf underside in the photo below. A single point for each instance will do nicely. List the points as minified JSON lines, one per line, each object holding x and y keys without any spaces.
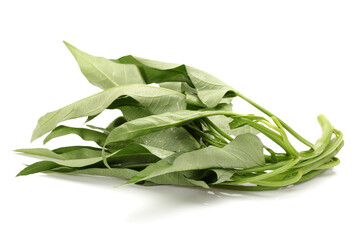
{"x":104,"y":73}
{"x":156,"y":100}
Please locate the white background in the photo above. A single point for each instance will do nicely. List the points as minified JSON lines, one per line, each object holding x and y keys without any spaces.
{"x":296,"y":58}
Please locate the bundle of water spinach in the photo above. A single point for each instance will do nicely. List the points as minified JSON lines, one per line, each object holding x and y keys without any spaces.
{"x":176,"y":126}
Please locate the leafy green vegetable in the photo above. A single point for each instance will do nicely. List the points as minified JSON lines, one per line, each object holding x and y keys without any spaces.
{"x":180,"y":130}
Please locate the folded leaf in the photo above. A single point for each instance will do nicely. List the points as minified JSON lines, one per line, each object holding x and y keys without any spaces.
{"x":157,"y":72}
{"x":223,"y":175}
{"x":210,"y":89}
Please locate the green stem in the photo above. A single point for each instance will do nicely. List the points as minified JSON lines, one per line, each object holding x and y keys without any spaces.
{"x":283,"y":182}
{"x":210,"y":123}
{"x":287,"y":127}
{"x":332,"y":163}
{"x":309,"y":176}
{"x":286,"y":141}
{"x":304,"y":178}
{"x":238,"y":180}
{"x":244,"y":188}
{"x":213,"y":132}
{"x":331,"y":150}
{"x":269,"y":133}
{"x":207,"y":138}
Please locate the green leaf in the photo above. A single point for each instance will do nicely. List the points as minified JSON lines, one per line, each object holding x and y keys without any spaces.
{"x":211,"y":176}
{"x":131,"y":150}
{"x":244,"y":151}
{"x":193,"y":99}
{"x":104,"y":73}
{"x":64,"y":153}
{"x":37,"y":167}
{"x":125,"y":173}
{"x":178,"y":178}
{"x":89,"y":118}
{"x":223,"y":175}
{"x":176,"y":86}
{"x":156,"y":100}
{"x":210,"y":89}
{"x":172,"y":139}
{"x":44,"y":152}
{"x":223,"y":123}
{"x":153,"y":123}
{"x":157,"y":72}
{"x":86,"y":134}
{"x":78,"y":152}
{"x":117,"y":122}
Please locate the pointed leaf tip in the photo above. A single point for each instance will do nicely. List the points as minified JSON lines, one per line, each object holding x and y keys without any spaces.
{"x":67,"y":44}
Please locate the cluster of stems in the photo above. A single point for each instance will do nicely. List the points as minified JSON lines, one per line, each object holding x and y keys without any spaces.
{"x":281,"y":169}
